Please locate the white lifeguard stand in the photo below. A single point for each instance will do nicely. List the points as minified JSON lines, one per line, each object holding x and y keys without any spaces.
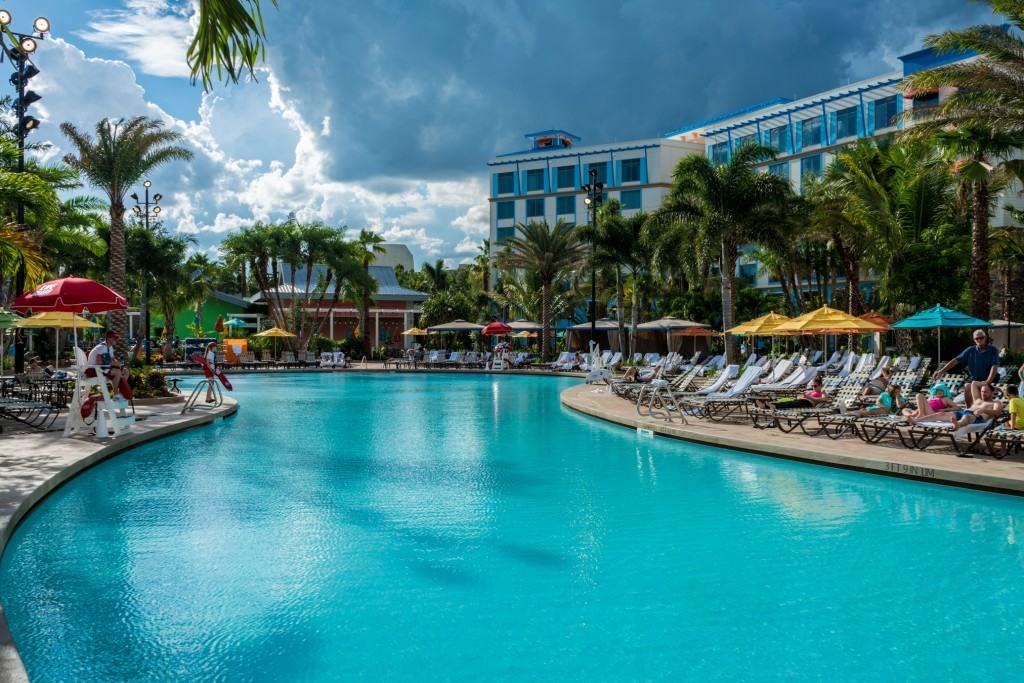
{"x":112,"y":416}
{"x":598,"y":372}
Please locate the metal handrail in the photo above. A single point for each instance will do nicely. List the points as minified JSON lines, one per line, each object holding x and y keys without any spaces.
{"x":191,"y":403}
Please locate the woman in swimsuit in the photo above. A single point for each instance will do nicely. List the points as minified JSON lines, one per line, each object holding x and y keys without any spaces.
{"x":936,"y":401}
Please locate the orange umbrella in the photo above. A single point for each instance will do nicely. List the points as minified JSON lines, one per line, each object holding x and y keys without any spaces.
{"x":878,"y":318}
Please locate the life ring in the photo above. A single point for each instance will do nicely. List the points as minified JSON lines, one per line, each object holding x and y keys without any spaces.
{"x":211,"y":372}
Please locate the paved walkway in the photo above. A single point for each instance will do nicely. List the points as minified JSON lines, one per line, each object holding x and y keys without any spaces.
{"x":936,"y":465}
{"x":35,"y":463}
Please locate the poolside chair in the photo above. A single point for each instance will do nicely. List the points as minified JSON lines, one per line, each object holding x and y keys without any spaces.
{"x":562,"y":359}
{"x":32,"y":413}
{"x":718,"y":405}
{"x":1003,"y":441}
{"x":964,"y":440}
{"x":788,"y":420}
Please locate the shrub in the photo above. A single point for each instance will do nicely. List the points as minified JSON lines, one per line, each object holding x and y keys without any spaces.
{"x":147,"y":382}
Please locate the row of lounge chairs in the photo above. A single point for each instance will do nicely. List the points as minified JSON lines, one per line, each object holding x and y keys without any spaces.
{"x":750,"y":392}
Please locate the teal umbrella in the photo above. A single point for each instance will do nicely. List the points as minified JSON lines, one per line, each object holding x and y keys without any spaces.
{"x":937,"y":317}
{"x":234,"y":322}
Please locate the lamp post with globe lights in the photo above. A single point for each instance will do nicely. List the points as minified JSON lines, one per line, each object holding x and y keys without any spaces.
{"x":594,"y":196}
{"x":18,"y":49}
{"x":144,"y":210}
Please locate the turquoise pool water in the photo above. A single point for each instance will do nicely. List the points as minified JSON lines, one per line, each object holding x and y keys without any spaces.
{"x":469,"y":528}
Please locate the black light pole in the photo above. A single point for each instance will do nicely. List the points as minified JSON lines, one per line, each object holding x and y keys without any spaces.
{"x":21,"y":46}
{"x":594,"y":191}
{"x":143,"y":211}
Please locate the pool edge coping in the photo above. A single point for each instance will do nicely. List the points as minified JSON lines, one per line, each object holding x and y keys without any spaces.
{"x":945,"y":476}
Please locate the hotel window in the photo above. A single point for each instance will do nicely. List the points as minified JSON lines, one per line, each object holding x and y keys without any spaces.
{"x":778,"y":138}
{"x":811,"y":166}
{"x":781,"y":170}
{"x":846,"y":122}
{"x":504,"y":233}
{"x":566,"y":177}
{"x":602,"y":172}
{"x":720,"y":153}
{"x":535,"y":208}
{"x":810,"y":133}
{"x":885,"y":112}
{"x":565,"y":205}
{"x":745,"y":140}
{"x":926,"y":99}
{"x":630,"y":171}
{"x":631,"y":199}
{"x":535,"y":180}
{"x":506,"y":183}
{"x":506,"y":210}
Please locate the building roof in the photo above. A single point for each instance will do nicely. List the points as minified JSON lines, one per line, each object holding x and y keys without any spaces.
{"x":553,"y":131}
{"x":388,"y":288}
{"x":232,"y":299}
{"x":750,"y":109}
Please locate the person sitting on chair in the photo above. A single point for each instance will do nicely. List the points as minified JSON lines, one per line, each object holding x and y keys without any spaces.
{"x":981,"y":361}
{"x":985,"y":408}
{"x":890,"y":402}
{"x":103,"y":355}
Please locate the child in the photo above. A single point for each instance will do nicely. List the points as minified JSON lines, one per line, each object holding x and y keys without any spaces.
{"x":1015,"y":407}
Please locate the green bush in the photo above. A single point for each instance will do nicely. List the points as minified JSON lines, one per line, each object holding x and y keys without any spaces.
{"x":147,"y":383}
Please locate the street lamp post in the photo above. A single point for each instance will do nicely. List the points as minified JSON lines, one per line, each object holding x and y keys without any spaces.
{"x":144,"y":211}
{"x":594,"y":195}
{"x":21,"y":46}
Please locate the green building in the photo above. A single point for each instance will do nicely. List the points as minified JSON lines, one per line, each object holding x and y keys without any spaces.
{"x":218,"y":304}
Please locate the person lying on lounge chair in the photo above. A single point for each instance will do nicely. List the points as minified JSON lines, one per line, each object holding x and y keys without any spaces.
{"x":890,"y":402}
{"x":811,"y":398}
{"x":936,"y":401}
{"x":879,"y":384}
{"x":983,"y":409}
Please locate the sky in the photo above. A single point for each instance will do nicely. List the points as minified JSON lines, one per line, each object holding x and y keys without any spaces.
{"x":381,"y":114}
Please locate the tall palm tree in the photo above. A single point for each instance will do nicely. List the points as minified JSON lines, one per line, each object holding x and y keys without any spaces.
{"x":229,"y":40}
{"x":549,"y":251}
{"x":977,"y":159}
{"x":482,"y":264}
{"x":988,"y":94}
{"x":122,"y":152}
{"x":724,"y":207}
{"x":368,"y":244}
{"x":437,"y":276}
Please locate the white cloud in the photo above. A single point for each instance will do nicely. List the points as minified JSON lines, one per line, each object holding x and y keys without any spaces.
{"x":154,"y":34}
{"x":414,"y":236}
{"x":468,"y":246}
{"x":476,"y":221}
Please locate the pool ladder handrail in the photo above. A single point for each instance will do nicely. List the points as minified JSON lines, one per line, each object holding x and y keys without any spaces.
{"x":192,"y":402}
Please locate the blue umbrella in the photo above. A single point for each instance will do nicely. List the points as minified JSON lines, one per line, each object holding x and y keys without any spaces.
{"x":234,"y":322}
{"x":936,"y":318}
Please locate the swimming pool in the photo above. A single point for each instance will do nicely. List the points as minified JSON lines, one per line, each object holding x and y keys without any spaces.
{"x":442,"y":527}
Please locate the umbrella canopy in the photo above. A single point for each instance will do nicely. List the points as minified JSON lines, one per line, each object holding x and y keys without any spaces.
{"x":8,"y":319}
{"x":601,"y":324}
{"x":527,"y":325}
{"x":1004,"y":323}
{"x":496,"y":329}
{"x":760,"y":327}
{"x":939,"y":316}
{"x":694,"y":332}
{"x":878,"y":318}
{"x":456,"y":326}
{"x":668,"y":323}
{"x":274,"y":332}
{"x":59,"y":319}
{"x":74,"y":294}
{"x":234,"y":322}
{"x":826,"y":320}
{"x":415,"y":332}
{"x":525,"y":334}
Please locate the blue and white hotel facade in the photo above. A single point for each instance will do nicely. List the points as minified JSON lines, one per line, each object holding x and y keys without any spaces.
{"x":544,"y":182}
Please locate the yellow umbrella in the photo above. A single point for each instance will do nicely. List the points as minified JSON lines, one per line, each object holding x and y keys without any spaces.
{"x":525,"y":334}
{"x":274,"y":332}
{"x":415,"y":332}
{"x":760,"y":327}
{"x":58,"y":319}
{"x":826,"y":319}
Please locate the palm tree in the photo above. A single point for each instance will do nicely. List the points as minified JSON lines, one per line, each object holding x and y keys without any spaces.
{"x":368,"y":244}
{"x":482,"y":264}
{"x":437,"y":276}
{"x":988,"y":88}
{"x":723,"y":207}
{"x":977,"y":157}
{"x":122,"y":152}
{"x":229,"y":40}
{"x":549,"y":251}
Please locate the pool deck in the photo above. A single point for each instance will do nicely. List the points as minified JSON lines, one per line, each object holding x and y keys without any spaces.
{"x":35,"y":463}
{"x":936,"y":465}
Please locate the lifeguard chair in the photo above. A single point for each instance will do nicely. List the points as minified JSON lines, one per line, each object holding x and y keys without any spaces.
{"x":112,"y":417}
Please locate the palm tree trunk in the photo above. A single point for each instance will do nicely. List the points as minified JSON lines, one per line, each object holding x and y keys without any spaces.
{"x":729,"y":257}
{"x":545,"y":319}
{"x":787,"y":295}
{"x":364,"y":314}
{"x":620,"y":295}
{"x":634,"y":314}
{"x":118,"y":320}
{"x":981,"y":287}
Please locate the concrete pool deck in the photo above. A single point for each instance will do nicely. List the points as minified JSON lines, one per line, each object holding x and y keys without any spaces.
{"x":937,"y":465}
{"x":35,"y":463}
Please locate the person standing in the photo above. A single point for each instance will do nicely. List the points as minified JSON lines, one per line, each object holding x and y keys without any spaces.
{"x":211,"y":361}
{"x":981,"y":361}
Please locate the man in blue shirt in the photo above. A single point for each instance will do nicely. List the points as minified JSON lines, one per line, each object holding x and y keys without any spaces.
{"x":981,"y":361}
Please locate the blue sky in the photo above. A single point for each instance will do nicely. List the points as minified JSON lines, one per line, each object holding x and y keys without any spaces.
{"x":381,"y":114}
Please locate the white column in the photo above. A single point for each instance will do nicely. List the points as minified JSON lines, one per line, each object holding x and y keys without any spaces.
{"x":332,"y":323}
{"x":376,"y":327}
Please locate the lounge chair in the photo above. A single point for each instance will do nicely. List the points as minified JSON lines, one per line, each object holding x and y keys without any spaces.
{"x":718,"y":405}
{"x":1004,"y":441}
{"x":964,"y":440}
{"x":788,"y":420}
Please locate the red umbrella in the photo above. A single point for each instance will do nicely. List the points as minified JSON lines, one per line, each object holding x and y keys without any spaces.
{"x":496,"y":329}
{"x":74,"y":294}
